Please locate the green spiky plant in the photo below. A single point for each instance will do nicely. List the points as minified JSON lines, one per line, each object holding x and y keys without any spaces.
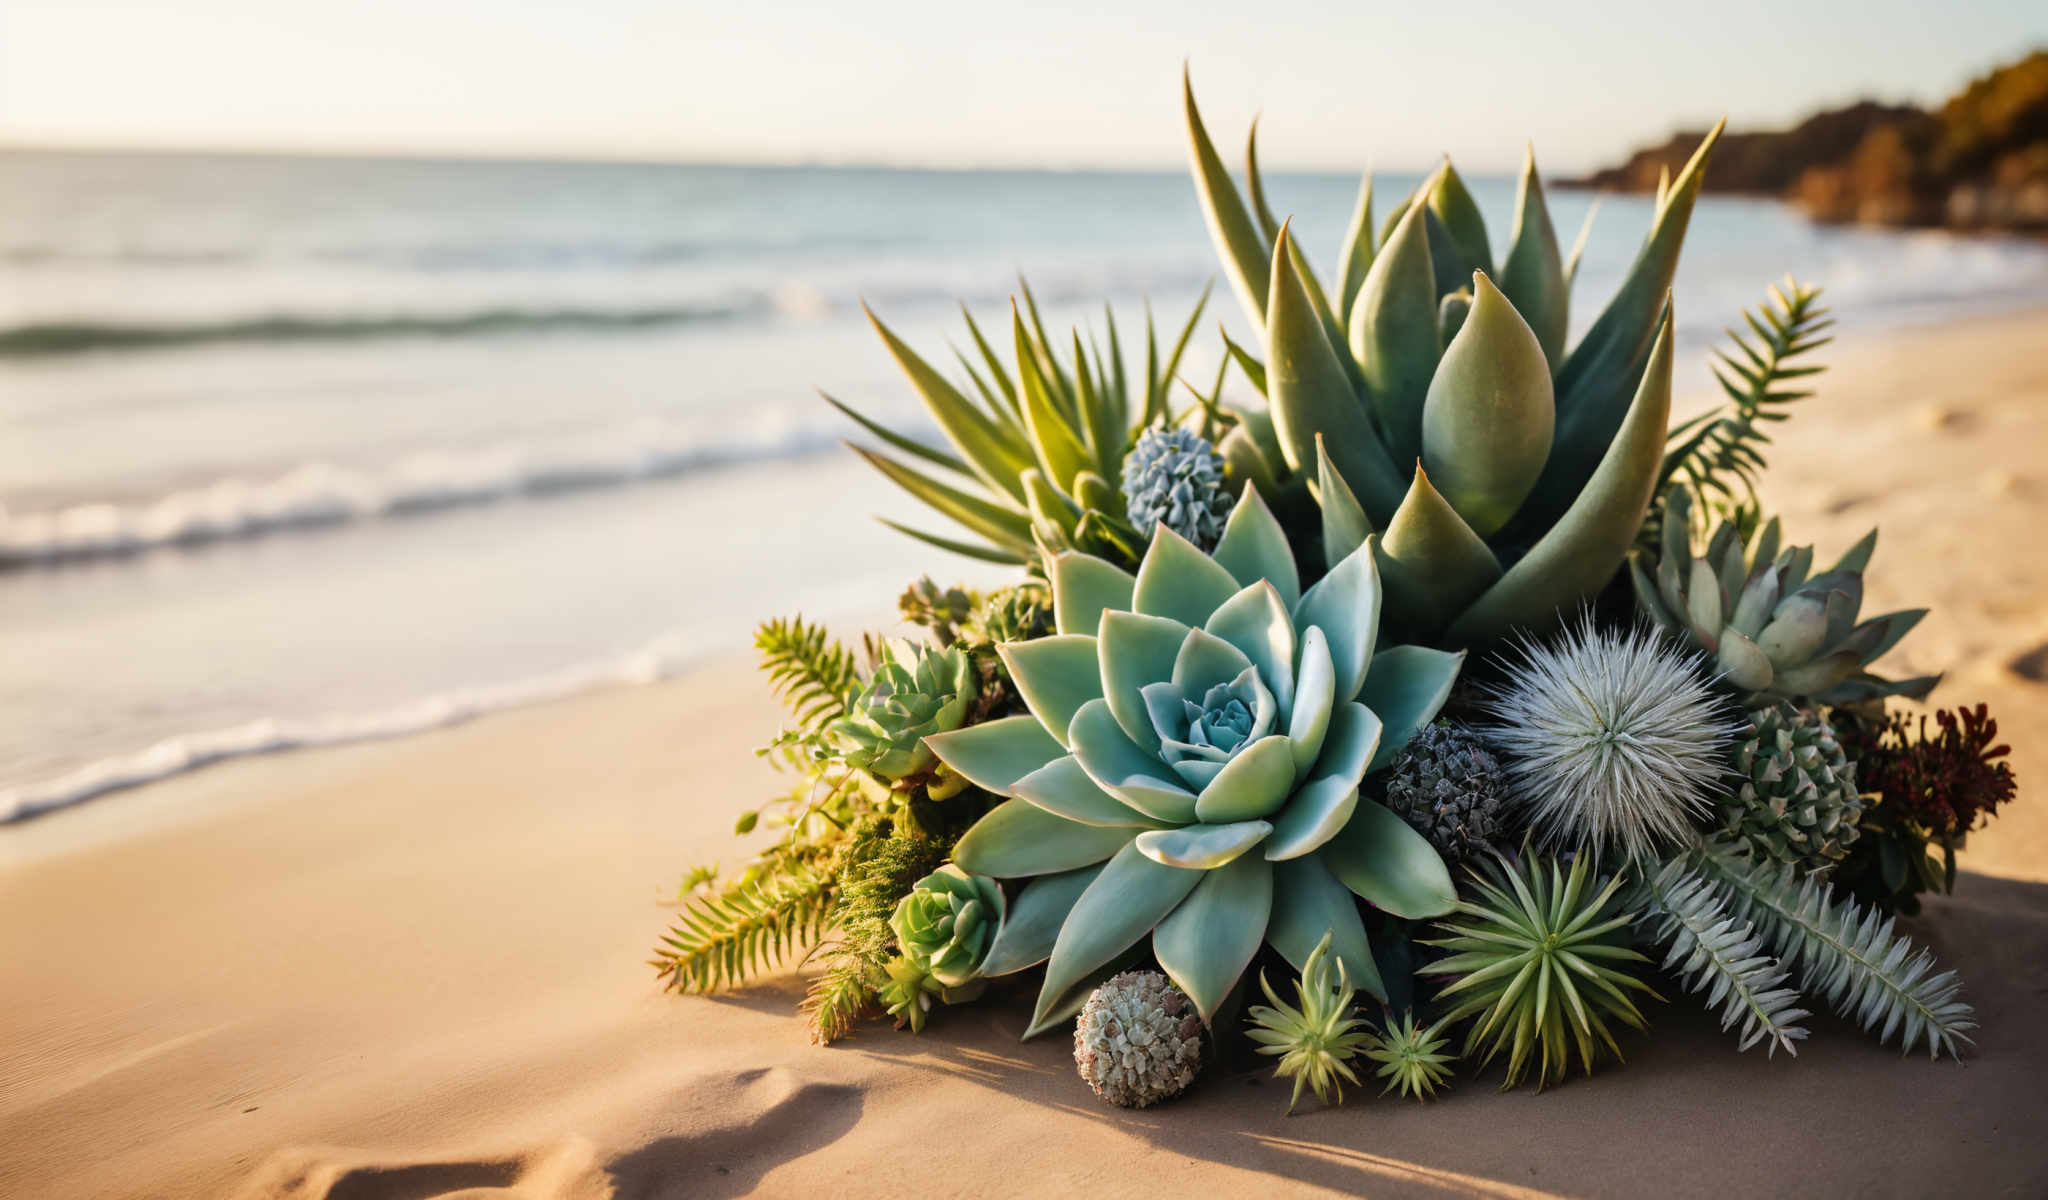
{"x":1413,"y":1061}
{"x":1037,"y":454}
{"x":1538,"y":962}
{"x":1316,"y":1041}
{"x":1432,"y":399}
{"x":1189,"y":767}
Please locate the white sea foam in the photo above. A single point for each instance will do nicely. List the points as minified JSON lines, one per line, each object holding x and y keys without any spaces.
{"x":659,"y":659}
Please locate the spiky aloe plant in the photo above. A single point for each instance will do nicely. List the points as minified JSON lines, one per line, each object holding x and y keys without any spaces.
{"x":1508,"y":477}
{"x":1038,"y":454}
{"x":1316,"y":1042}
{"x":1189,"y":768}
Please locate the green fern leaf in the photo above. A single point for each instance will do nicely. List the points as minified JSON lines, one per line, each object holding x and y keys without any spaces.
{"x":745,"y":929}
{"x":1720,"y":958}
{"x":1867,"y":972}
{"x":808,"y":670}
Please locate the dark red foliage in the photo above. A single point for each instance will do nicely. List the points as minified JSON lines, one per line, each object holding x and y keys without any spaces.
{"x":1947,"y":782}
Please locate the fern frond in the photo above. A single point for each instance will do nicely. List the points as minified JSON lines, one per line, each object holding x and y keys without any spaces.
{"x":837,"y":1000}
{"x":1720,"y":455}
{"x":1720,"y":958}
{"x":881,"y":865}
{"x":744,"y":929}
{"x":808,"y":670}
{"x":1868,"y":972}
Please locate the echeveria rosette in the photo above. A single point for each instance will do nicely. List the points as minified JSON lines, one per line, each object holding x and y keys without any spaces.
{"x":946,"y":923}
{"x":915,"y":691}
{"x":1189,"y":767}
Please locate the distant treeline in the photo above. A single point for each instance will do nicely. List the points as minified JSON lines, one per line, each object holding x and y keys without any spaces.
{"x":1980,"y":161}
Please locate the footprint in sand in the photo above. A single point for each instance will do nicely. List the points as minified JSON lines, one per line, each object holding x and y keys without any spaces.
{"x":2030,"y":665}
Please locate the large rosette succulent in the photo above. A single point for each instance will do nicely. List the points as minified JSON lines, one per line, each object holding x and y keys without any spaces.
{"x":1190,"y":765}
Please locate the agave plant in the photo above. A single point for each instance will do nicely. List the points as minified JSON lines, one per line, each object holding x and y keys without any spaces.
{"x":1777,"y":630}
{"x":1507,"y":476}
{"x":1190,"y":762}
{"x":1038,"y":454}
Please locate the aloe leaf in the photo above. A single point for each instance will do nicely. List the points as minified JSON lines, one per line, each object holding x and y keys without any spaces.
{"x":1005,"y":526}
{"x":1406,"y":687}
{"x":1176,"y":580}
{"x":1454,"y":206}
{"x":996,"y":370}
{"x":1253,"y":369}
{"x":1582,"y":551}
{"x":1380,"y":857}
{"x":1431,"y":561}
{"x":1160,"y":375}
{"x":1242,"y":459}
{"x":1018,"y":557}
{"x":1018,"y":838}
{"x":1571,"y":260}
{"x":1448,"y":271}
{"x":909,"y":445}
{"x":1120,"y":384}
{"x":1208,"y":941}
{"x":1345,"y":605}
{"x":1357,"y":254}
{"x":1308,"y":903}
{"x":1345,"y":525}
{"x":1602,"y":372}
{"x":1244,"y":250}
{"x":978,"y":439}
{"x":1255,"y":186}
{"x":1487,"y":421}
{"x":1100,"y":421}
{"x":996,"y":754}
{"x":1033,"y":921}
{"x":1058,"y":447}
{"x":1123,"y":904}
{"x":1393,"y":336}
{"x":1062,"y":788}
{"x":1451,"y":312}
{"x":1058,"y":386}
{"x":1051,"y":510}
{"x":1056,"y":676}
{"x":1533,"y":275}
{"x":1312,"y":396}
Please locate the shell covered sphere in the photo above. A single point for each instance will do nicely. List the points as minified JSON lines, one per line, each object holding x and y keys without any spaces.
{"x":1189,"y":767}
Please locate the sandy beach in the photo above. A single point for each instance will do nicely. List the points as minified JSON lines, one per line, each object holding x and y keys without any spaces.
{"x":416,"y":968}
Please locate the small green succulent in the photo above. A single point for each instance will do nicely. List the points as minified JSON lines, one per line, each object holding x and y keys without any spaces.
{"x":1797,"y":803}
{"x":947,"y":922}
{"x":907,"y":989}
{"x":915,"y":691}
{"x":1540,"y":962}
{"x":1315,"y":1042}
{"x":1778,"y":631}
{"x":1015,"y":614}
{"x":1431,"y":397}
{"x":1189,"y":767}
{"x":1412,"y":1061}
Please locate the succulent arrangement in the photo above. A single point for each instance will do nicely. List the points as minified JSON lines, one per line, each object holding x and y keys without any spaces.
{"x":1277,"y":660}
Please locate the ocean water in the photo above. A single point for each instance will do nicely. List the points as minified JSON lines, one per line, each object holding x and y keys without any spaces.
{"x":295,"y":451}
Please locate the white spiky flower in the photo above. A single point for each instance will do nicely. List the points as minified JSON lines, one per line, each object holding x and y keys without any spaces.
{"x":1613,"y":739}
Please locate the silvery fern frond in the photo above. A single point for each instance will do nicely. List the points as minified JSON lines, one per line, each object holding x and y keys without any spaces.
{"x":1868,"y":972}
{"x":1719,"y":958}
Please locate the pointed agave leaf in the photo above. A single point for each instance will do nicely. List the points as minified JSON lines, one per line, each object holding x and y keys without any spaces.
{"x":1309,"y":902}
{"x":1454,"y":206}
{"x":1017,"y":838}
{"x":1380,"y":857}
{"x":1571,"y":260}
{"x":1533,"y":275}
{"x":1311,"y":393}
{"x":1393,"y":337}
{"x":1582,"y":551}
{"x":1246,"y":253}
{"x":1357,"y":254}
{"x":996,"y":754}
{"x":980,"y":442}
{"x":1123,"y":904}
{"x":1004,"y":526}
{"x":1033,"y":921}
{"x":909,"y":445}
{"x":1406,"y":688}
{"x":1056,"y":444}
{"x":1431,"y":562}
{"x":1207,"y":942}
{"x":1487,"y":421}
{"x":1345,"y":526}
{"x":1017,"y":557}
{"x":1253,"y":369}
{"x":1257,"y":186}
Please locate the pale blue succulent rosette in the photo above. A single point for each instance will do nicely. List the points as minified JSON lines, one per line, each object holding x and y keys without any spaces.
{"x":1190,"y":763}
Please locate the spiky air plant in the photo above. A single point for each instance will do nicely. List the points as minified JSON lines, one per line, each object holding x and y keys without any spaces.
{"x":1189,"y":767}
{"x":1315,"y":1042}
{"x":1539,"y":961}
{"x":1037,"y":454}
{"x":1776,"y":630}
{"x":1507,"y":477}
{"x":1613,"y":739}
{"x":1413,"y":1061}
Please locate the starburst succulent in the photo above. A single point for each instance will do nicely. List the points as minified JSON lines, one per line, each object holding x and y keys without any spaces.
{"x":1316,"y":1041}
{"x":1190,"y":762}
{"x":1613,"y":739}
{"x":1776,"y":629}
{"x":915,"y":691}
{"x":1138,"y":1040}
{"x":1797,"y":801}
{"x":1412,"y":1060}
{"x":1431,"y":396}
{"x":1037,"y":454}
{"x":1174,"y":476}
{"x":1539,"y":961}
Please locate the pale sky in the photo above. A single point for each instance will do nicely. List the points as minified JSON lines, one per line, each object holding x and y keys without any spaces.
{"x":967,"y":83}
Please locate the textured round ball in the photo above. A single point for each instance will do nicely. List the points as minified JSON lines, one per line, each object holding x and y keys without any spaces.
{"x":1139,"y":1040}
{"x":1446,"y":784}
{"x":1174,"y":477}
{"x":1798,"y":802}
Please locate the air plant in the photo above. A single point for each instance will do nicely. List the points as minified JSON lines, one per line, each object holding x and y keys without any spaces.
{"x":1413,"y":1061}
{"x":1315,"y":1042}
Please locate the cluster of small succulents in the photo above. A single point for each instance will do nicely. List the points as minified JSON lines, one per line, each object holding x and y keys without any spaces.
{"x":1277,"y":663}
